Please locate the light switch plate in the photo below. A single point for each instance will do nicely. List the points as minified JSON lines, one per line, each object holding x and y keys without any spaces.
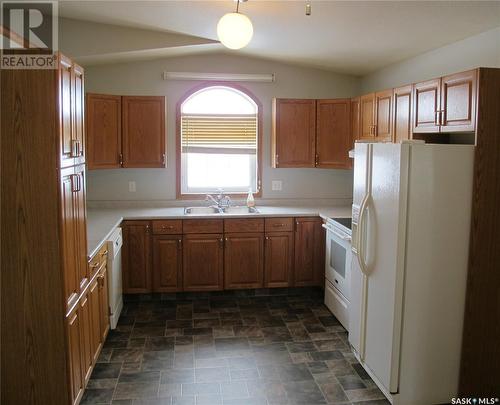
{"x":131,"y":186}
{"x":277,"y":185}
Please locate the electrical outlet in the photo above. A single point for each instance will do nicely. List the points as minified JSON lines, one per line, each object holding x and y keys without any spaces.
{"x":277,"y":185}
{"x":131,"y":186}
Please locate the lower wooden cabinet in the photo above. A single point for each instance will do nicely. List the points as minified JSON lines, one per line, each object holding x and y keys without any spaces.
{"x":103,"y":304}
{"x":309,"y":269}
{"x":243,"y":260}
{"x":203,"y":262}
{"x":136,"y":256}
{"x":86,"y":336}
{"x":279,"y":258}
{"x":95,"y":313}
{"x":73,"y":327}
{"x":167,"y":263}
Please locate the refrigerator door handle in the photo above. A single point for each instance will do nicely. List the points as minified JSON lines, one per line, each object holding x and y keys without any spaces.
{"x":359,"y":243}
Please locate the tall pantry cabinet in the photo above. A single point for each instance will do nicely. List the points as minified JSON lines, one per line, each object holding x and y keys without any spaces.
{"x":45,"y":277}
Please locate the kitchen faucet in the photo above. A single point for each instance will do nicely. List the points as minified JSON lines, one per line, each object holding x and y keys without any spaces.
{"x":221,"y":201}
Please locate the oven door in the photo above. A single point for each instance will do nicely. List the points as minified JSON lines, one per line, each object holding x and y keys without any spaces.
{"x":338,"y":259}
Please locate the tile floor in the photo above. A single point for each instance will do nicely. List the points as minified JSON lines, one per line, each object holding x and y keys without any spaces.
{"x":230,"y":348}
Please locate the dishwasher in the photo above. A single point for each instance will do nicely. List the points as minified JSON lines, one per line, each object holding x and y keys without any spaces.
{"x":114,"y":264}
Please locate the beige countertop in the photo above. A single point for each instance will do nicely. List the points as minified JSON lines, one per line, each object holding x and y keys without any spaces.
{"x":101,"y":222}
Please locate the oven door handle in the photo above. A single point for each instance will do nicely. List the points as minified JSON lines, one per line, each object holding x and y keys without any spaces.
{"x":343,"y":237}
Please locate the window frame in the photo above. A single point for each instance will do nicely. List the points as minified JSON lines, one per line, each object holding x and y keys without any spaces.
{"x":178,"y":148}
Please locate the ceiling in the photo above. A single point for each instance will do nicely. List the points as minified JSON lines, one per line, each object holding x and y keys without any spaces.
{"x":355,"y":37}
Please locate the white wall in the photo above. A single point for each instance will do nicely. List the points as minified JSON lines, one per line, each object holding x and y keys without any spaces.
{"x":145,"y":78}
{"x":482,"y":50}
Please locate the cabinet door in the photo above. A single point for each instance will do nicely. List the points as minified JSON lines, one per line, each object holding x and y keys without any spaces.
{"x":278,"y":259}
{"x":143,"y":131}
{"x":402,"y":113}
{"x":426,"y":106}
{"x":309,"y":252}
{"x":77,"y":99}
{"x":81,"y":226}
{"x":203,"y":261}
{"x":136,"y":257}
{"x":367,"y":116}
{"x":383,"y":115}
{"x":86,"y":336}
{"x":167,"y":263}
{"x":67,"y":143}
{"x":294,"y":133}
{"x":104,"y":126}
{"x":355,"y":120}
{"x":243,"y":260}
{"x":333,"y":136}
{"x":103,"y":304}
{"x":69,"y":228}
{"x":95,"y":320}
{"x":458,"y":102}
{"x":73,"y":326}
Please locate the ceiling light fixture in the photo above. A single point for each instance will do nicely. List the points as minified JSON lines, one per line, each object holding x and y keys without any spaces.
{"x":235,"y":30}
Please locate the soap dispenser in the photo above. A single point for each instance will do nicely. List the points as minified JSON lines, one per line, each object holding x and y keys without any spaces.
{"x":250,"y":199}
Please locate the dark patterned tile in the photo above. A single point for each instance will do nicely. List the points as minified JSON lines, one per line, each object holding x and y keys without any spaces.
{"x":136,"y":390}
{"x":177,"y":376}
{"x":304,"y":392}
{"x":318,"y":367}
{"x":179,"y":324}
{"x":327,"y":355}
{"x":361,"y":371}
{"x":139,"y":376}
{"x":294,"y":372}
{"x":158,"y":360}
{"x":236,"y":343}
{"x":201,"y":389}
{"x":211,"y":375}
{"x":329,"y":320}
{"x":197,"y":331}
{"x":106,"y":370}
{"x":351,"y":382}
{"x":206,"y":323}
{"x":334,"y":392}
{"x":97,"y":396}
{"x":157,"y":343}
{"x":299,"y":347}
{"x":126,"y":355}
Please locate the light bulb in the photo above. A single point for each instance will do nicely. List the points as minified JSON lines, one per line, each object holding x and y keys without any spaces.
{"x":234,"y":30}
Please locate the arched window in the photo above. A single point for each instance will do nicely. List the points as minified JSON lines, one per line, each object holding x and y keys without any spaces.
{"x":218,"y":141}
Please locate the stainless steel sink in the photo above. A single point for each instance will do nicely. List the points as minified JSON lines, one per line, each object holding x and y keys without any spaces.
{"x":214,"y":210}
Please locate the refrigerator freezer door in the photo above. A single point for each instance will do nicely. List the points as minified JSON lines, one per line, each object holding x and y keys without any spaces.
{"x":385,"y":250}
{"x":358,"y":280}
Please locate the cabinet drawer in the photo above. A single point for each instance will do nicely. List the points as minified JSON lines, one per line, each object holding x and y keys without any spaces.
{"x":337,"y":304}
{"x":98,"y":261}
{"x":202,"y":226}
{"x":244,"y":225}
{"x":279,"y":224}
{"x":167,"y":227}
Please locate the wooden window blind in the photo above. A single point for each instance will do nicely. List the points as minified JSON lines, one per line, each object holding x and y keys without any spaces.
{"x":221,"y":133}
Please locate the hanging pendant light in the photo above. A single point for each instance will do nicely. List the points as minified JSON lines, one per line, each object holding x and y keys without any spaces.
{"x":235,"y":30}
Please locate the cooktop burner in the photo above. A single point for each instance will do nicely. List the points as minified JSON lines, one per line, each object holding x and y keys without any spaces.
{"x":347,"y":222}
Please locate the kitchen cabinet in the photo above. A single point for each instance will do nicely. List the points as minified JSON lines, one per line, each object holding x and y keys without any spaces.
{"x":294,"y":133}
{"x":73,"y":330}
{"x":103,"y":303}
{"x":87,"y":356}
{"x":367,"y":117}
{"x":333,"y":137}
{"x":458,"y":102}
{"x":136,"y":251}
{"x":447,"y":104}
{"x":125,"y":131}
{"x":78,"y":102}
{"x":279,"y":258}
{"x":95,"y":319}
{"x":203,"y":262}
{"x":309,"y":252}
{"x":402,"y":113}
{"x":167,"y":263}
{"x":311,"y":133}
{"x":355,"y":119}
{"x":143,"y":131}
{"x":80,"y":212}
{"x":383,"y":115}
{"x":426,"y":106}
{"x":243,"y":260}
{"x":104,"y":141}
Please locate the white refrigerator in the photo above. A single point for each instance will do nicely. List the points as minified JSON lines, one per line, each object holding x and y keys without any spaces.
{"x":411,"y":219}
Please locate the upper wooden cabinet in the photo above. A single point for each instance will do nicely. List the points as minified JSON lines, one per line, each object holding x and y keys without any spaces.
{"x":458,"y":102}
{"x":71,"y":116}
{"x":333,"y":136}
{"x":402,"y":113}
{"x":136,"y":272}
{"x":104,"y":141}
{"x":294,"y":133}
{"x":203,"y":262}
{"x":383,"y":115}
{"x":367,"y":117}
{"x":125,"y":131}
{"x":447,"y":104}
{"x":311,"y":133}
{"x":355,"y":119}
{"x":143,"y":130}
{"x":243,"y":260}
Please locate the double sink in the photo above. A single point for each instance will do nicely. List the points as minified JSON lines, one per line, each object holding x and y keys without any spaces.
{"x":220,"y":211}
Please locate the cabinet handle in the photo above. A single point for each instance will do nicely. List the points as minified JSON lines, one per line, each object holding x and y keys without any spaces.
{"x":104,"y":253}
{"x":436,"y":117}
{"x":221,"y":243}
{"x":277,"y":160}
{"x":94,"y":265}
{"x":78,"y":148}
{"x":179,"y":244}
{"x":163,"y":159}
{"x":79,"y":182}
{"x":267,"y":237}
{"x":120,"y":158}
{"x":317,"y":160}
{"x":147,"y":228}
{"x":73,"y":148}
